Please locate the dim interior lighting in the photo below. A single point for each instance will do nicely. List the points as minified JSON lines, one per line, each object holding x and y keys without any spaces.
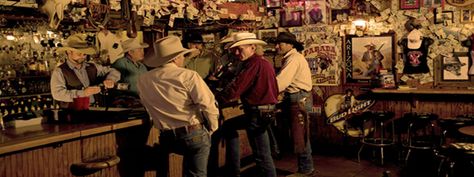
{"x":10,"y":37}
{"x":360,"y":24}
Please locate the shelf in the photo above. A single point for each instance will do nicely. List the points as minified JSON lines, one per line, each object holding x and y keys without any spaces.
{"x":21,"y":96}
{"x":425,"y":91}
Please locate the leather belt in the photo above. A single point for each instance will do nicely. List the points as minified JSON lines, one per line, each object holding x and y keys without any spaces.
{"x":263,"y":107}
{"x":182,"y":130}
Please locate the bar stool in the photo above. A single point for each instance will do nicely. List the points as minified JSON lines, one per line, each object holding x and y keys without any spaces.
{"x":382,"y":136}
{"x":421,"y":133}
{"x":450,"y":135}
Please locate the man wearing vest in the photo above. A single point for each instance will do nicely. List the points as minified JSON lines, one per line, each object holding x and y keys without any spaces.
{"x":77,"y":80}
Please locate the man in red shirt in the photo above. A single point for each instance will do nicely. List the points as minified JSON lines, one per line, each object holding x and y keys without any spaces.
{"x":257,"y":88}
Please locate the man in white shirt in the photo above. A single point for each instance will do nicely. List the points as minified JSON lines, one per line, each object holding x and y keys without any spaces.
{"x":180,"y":104}
{"x":294,"y":79}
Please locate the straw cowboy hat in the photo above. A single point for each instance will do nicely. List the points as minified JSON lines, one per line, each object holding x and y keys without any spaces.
{"x":166,"y":49}
{"x":228,"y":39}
{"x":133,"y":43}
{"x":289,"y":38}
{"x":414,"y":39}
{"x":244,"y":38}
{"x":77,"y":43}
{"x":370,"y":46}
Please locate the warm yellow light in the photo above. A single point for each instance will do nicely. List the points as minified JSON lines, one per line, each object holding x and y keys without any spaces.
{"x":10,"y":37}
{"x":359,"y":23}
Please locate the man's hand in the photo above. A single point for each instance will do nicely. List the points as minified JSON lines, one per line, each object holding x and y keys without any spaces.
{"x":109,"y":83}
{"x":91,"y":90}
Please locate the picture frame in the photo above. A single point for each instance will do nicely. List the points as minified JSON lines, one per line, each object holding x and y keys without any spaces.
{"x":441,"y":17}
{"x":364,"y":56}
{"x":272,"y":3}
{"x":266,"y":35}
{"x":465,"y":16}
{"x":340,"y":16}
{"x":363,"y":8}
{"x":409,"y":4}
{"x":291,"y":18}
{"x":433,"y":3}
{"x":316,"y":12}
{"x":453,"y":71}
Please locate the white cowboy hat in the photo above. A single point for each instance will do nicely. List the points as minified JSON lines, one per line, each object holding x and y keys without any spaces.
{"x":133,"y":43}
{"x":228,"y":39}
{"x":166,"y":49}
{"x":244,"y":38}
{"x":414,"y":39}
{"x":77,"y":43}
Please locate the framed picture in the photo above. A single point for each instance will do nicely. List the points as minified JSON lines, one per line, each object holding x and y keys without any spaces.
{"x":266,"y":35}
{"x":441,"y":17}
{"x":409,"y":4}
{"x":466,"y":16}
{"x":272,"y":3}
{"x":433,"y":3}
{"x":340,"y":15}
{"x":291,"y":18}
{"x":316,"y":12}
{"x":363,"y":7}
{"x":453,"y":71}
{"x":178,"y":33}
{"x":366,"y":56}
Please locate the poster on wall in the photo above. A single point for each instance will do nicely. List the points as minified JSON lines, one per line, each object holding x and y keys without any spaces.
{"x":322,"y":60}
{"x":316,"y":12}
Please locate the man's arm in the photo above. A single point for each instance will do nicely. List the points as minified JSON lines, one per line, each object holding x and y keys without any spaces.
{"x":112,"y":75}
{"x":203,"y":97}
{"x":287,"y":73}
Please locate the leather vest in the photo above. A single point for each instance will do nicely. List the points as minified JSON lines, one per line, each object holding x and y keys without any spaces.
{"x":73,"y":82}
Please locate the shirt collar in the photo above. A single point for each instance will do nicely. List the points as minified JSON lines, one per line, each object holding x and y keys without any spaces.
{"x":71,"y":65}
{"x":292,"y":51}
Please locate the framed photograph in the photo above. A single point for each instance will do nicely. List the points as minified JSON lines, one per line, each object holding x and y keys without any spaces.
{"x":441,"y":17}
{"x":433,"y":3}
{"x":409,"y":4}
{"x":291,"y":18}
{"x":272,"y":3}
{"x":266,"y":35}
{"x":363,"y":8}
{"x":366,"y":56}
{"x":453,"y":71}
{"x":316,"y":12}
{"x":340,"y":15}
{"x":178,"y":33}
{"x":466,"y":16}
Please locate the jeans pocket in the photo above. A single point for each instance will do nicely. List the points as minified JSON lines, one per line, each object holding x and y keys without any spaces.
{"x":197,"y":139}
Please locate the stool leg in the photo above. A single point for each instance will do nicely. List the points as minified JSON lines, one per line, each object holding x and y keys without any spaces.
{"x":358,"y":153}
{"x":382,"y":129}
{"x":381,"y":153}
{"x":440,"y":166}
{"x":408,"y":155}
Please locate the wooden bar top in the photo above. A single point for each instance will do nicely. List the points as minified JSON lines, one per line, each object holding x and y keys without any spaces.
{"x":467,"y":130}
{"x":17,"y":139}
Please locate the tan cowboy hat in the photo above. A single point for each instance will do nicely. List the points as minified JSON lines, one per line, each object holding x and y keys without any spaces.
{"x":370,"y":45}
{"x":77,"y":43}
{"x":166,"y":49}
{"x":414,"y":39}
{"x":244,"y":38}
{"x":133,"y":43}
{"x":228,"y":39}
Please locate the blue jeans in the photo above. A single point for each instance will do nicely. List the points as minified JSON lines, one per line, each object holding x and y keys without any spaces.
{"x":194,"y":146}
{"x":305,"y":159}
{"x":258,"y":139}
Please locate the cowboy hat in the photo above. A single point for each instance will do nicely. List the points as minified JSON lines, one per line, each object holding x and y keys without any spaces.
{"x":289,"y":38}
{"x":77,"y":43}
{"x":244,"y":38}
{"x":370,"y":45}
{"x":414,"y":39}
{"x":133,"y":43}
{"x":166,"y":49}
{"x":229,"y":38}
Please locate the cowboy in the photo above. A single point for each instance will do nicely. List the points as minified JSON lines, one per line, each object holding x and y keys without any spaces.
{"x":294,"y":80}
{"x":180,"y":104}
{"x":130,"y":65}
{"x":77,"y":80}
{"x":257,"y":88}
{"x":200,"y":60}
{"x":373,"y":60}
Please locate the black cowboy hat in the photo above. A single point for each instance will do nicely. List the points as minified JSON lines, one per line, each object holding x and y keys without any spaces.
{"x":289,"y":38}
{"x":193,"y":37}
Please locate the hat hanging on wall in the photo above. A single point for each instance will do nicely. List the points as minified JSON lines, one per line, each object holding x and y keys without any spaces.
{"x":415,"y":39}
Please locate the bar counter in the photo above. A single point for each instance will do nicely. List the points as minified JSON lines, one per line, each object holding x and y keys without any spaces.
{"x":18,"y":139}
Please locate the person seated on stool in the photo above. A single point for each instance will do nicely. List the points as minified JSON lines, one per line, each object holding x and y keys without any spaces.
{"x":180,"y":104}
{"x":294,"y":80}
{"x":257,"y":88}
